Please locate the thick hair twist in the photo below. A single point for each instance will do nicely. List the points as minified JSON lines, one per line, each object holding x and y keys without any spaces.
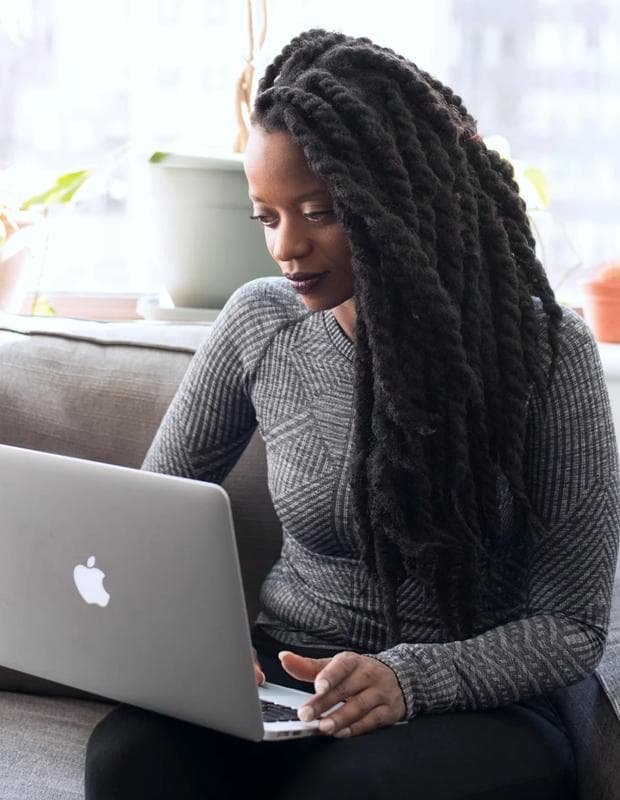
{"x":448,"y":339}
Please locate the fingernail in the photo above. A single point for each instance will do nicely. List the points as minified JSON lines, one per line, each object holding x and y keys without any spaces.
{"x":305,"y":714}
{"x":263,"y":679}
{"x":343,"y":733}
{"x":283,"y":653}
{"x":327,"y":725}
{"x":321,"y":686}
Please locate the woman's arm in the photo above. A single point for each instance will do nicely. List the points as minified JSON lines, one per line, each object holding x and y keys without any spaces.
{"x":572,"y":475}
{"x":211,"y":418}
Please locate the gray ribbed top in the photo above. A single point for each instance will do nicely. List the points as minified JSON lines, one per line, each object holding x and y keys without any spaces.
{"x":269,"y":362}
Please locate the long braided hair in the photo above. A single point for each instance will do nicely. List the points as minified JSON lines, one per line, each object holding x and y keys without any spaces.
{"x":448,"y":340}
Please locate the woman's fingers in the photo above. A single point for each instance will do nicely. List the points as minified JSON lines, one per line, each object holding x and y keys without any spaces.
{"x":360,"y":714}
{"x":368,"y":690}
{"x":365,"y":692}
{"x":344,"y":676}
{"x":338,"y":673}
{"x":300,"y":667}
{"x":379,"y":717}
{"x":258,"y":672}
{"x":260,"y":675}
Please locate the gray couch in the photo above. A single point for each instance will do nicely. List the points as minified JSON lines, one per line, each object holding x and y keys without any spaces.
{"x":98,"y":391}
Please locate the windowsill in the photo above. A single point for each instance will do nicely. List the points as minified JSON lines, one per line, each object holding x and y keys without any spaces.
{"x":93,"y":306}
{"x":100,"y":306}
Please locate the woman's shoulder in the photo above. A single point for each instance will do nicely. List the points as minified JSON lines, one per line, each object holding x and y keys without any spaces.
{"x":577,"y":367}
{"x":574,"y":328}
{"x":253,"y":316}
{"x":270,"y":298}
{"x":575,"y":338}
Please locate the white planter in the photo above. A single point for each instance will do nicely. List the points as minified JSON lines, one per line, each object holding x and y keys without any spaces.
{"x":207,"y":244}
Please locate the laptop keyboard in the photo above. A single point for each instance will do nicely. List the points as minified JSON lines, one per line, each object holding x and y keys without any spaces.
{"x":272,"y":712}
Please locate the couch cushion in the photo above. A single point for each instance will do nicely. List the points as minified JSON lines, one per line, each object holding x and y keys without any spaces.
{"x":42,"y":746}
{"x":91,"y":390}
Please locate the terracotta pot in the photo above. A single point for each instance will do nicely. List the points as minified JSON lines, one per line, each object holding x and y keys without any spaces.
{"x":13,"y":262}
{"x":601,"y":308}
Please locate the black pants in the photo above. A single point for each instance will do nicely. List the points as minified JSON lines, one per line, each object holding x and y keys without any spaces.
{"x":519,"y":752}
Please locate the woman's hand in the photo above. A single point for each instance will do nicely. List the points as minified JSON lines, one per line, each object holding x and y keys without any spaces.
{"x":370,"y":692}
{"x":258,"y":672}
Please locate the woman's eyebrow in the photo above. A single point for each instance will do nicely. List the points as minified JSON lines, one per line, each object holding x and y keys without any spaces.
{"x":298,"y":198}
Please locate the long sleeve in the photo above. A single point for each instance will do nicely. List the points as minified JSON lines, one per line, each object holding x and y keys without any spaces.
{"x":572,"y":476}
{"x":212,"y":415}
{"x":211,"y":418}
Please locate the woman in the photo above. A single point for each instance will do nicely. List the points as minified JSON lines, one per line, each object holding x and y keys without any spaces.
{"x":440,"y":455}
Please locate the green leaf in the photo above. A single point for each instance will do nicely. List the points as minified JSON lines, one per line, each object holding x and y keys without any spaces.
{"x":539,"y":182}
{"x":157,"y":157}
{"x":62,"y":190}
{"x":43,"y":308}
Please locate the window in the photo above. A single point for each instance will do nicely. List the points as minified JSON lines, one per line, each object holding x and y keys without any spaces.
{"x":81,"y":83}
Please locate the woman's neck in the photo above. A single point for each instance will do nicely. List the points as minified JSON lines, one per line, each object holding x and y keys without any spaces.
{"x":346,"y":315}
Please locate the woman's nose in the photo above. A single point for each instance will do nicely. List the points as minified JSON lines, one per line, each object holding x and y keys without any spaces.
{"x":289,"y":242}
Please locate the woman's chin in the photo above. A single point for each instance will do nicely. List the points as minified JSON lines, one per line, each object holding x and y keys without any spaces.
{"x":323,"y":303}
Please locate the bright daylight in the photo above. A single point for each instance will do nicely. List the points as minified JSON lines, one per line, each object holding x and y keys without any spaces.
{"x":309,"y":400}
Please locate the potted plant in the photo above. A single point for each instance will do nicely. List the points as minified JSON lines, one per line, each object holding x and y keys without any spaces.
{"x":21,"y":223}
{"x":16,"y":236}
{"x":208,"y":246}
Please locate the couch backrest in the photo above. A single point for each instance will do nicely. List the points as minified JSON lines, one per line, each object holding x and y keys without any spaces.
{"x":99,"y":390}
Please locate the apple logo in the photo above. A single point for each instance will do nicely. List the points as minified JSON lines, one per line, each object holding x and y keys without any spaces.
{"x":89,"y":582}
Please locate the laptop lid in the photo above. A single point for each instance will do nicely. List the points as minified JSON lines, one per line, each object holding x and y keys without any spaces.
{"x":126,"y":584}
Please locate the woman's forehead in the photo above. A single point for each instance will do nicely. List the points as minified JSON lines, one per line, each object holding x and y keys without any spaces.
{"x":274,"y":163}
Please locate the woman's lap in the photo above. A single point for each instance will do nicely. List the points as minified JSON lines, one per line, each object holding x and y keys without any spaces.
{"x":513,"y":752}
{"x":506,"y":754}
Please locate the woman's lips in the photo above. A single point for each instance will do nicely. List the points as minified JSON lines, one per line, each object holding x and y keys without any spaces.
{"x":306,"y":282}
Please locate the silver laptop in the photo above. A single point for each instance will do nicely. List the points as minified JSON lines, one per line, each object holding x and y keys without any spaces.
{"x":126,"y":584}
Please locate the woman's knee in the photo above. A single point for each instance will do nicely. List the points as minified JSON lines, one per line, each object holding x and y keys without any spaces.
{"x":134,"y":754}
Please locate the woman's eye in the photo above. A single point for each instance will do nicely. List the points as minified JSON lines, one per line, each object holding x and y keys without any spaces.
{"x":319,"y":216}
{"x":264,"y":219}
{"x":269,"y":220}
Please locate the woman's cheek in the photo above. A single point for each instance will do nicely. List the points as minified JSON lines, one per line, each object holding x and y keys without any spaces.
{"x":269,"y":243}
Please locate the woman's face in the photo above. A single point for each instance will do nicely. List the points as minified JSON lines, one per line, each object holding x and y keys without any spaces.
{"x":296,"y":211}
